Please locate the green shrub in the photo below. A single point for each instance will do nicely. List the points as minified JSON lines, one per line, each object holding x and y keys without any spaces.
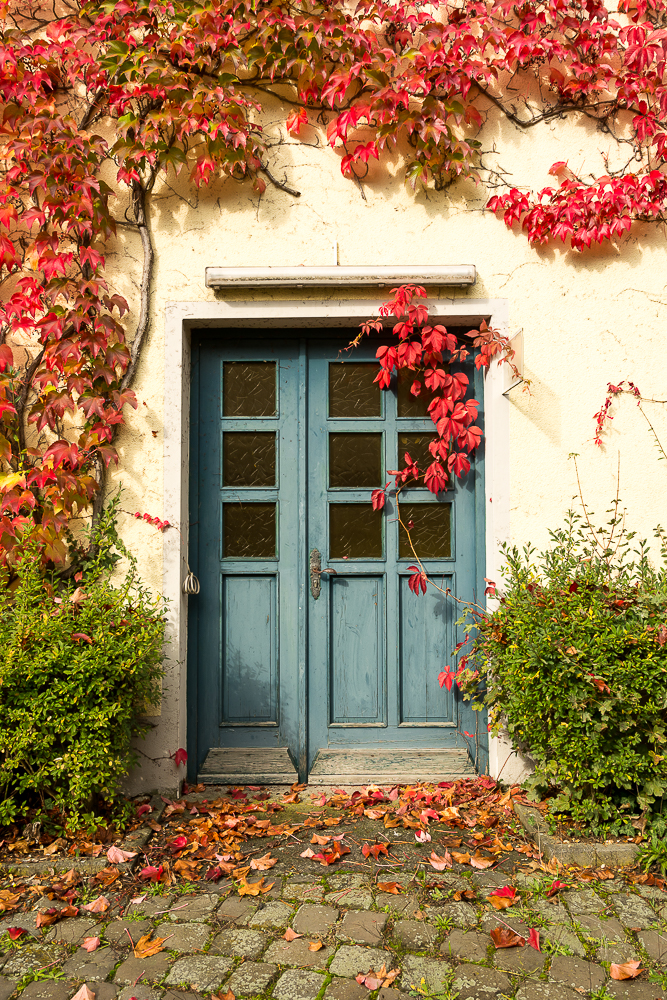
{"x":573,"y":665}
{"x":78,"y":663}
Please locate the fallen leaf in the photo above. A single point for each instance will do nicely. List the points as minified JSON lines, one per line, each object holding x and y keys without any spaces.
{"x":534,"y":939}
{"x":152,"y":873}
{"x":252,"y":888}
{"x":461,"y":858}
{"x":500,"y":899}
{"x":16,"y":932}
{"x":47,"y":917}
{"x":315,"y":946}
{"x":440,"y":863}
{"x":468,"y":894}
{"x":373,"y":980}
{"x":144,"y":947}
{"x":317,"y":839}
{"x":422,"y":837}
{"x":57,"y":845}
{"x":556,"y":886}
{"x":308,"y":853}
{"x":264,"y":863}
{"x":503,"y":937}
{"x":98,"y":905}
{"x":375,"y":849}
{"x":107,"y":876}
{"x":91,"y":943}
{"x":479,"y":861}
{"x":118,"y":857}
{"x":392,"y":887}
{"x":451,"y":841}
{"x":291,"y":935}
{"x":625,"y":970}
{"x":223,"y":996}
{"x":84,"y":993}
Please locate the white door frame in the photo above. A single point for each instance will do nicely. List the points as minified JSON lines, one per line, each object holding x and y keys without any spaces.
{"x":170,"y":727}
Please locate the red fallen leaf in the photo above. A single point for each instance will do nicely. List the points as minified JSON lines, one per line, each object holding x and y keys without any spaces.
{"x":500,"y":899}
{"x":440,"y":862}
{"x":180,"y":757}
{"x":375,"y":849}
{"x":625,"y":970}
{"x":392,"y":887}
{"x":556,"y":886}
{"x":336,"y":852}
{"x":422,"y":836}
{"x":16,"y":932}
{"x":503,"y":937}
{"x":152,"y":873}
{"x":291,"y":935}
{"x":145,"y":808}
{"x":507,"y":890}
{"x":534,"y":939}
{"x":91,"y":943}
{"x":178,"y":843}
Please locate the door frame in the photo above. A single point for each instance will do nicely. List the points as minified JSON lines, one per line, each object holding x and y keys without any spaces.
{"x":271,"y":316}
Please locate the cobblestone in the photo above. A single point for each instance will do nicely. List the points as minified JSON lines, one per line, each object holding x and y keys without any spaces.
{"x":230,"y":944}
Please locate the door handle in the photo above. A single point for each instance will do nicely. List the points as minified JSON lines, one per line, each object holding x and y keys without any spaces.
{"x":316,"y":573}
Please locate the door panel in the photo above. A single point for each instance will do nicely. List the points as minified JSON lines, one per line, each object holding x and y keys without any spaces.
{"x":288,"y":439}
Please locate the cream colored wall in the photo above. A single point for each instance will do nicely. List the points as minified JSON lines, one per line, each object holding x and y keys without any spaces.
{"x":587,"y":319}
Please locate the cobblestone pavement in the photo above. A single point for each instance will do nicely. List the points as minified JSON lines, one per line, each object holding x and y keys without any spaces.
{"x":217,"y":941}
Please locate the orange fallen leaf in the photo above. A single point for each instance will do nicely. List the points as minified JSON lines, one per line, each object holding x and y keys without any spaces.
{"x":461,"y":858}
{"x":252,"y":888}
{"x":375,"y":849}
{"x":317,"y":839}
{"x":466,"y":894}
{"x":47,"y":917}
{"x":625,"y":970}
{"x":315,"y":946}
{"x":503,"y":937}
{"x":144,"y":947}
{"x":479,"y":861}
{"x":373,"y":980}
{"x":223,"y":996}
{"x":392,"y":887}
{"x":291,"y":935}
{"x":98,"y":905}
{"x":57,"y":845}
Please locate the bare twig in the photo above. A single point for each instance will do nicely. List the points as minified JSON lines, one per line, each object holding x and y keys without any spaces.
{"x":282,"y":185}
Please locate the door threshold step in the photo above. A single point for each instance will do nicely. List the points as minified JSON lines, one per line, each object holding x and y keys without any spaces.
{"x":248,"y":766}
{"x":361,"y":767}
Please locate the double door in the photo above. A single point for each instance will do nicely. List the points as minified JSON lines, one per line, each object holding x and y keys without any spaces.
{"x":307,"y":648}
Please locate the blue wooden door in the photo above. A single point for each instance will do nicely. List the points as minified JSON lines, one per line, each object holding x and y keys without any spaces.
{"x":305,"y":640}
{"x":375,"y":648}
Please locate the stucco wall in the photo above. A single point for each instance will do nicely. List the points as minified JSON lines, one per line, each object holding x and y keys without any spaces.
{"x":587,"y":319}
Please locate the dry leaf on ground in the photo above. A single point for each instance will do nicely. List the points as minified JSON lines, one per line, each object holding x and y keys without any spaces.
{"x":223,"y":996}
{"x":144,"y":947}
{"x":315,"y":946}
{"x":84,"y":994}
{"x":317,"y":839}
{"x":99,"y":905}
{"x":264,"y":863}
{"x":291,"y":935}
{"x":534,"y":939}
{"x":47,"y":917}
{"x":480,"y":861}
{"x":90,"y":943}
{"x":504,"y":937}
{"x":466,"y":894}
{"x":461,"y":858}
{"x":118,"y":857}
{"x":625,"y":970}
{"x":252,"y":888}
{"x":500,"y":899}
{"x":392,"y":887}
{"x":440,"y":863}
{"x":373,"y":980}
{"x":56,"y":846}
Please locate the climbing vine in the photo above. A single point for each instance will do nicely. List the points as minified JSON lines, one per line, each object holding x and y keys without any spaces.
{"x":102,"y":100}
